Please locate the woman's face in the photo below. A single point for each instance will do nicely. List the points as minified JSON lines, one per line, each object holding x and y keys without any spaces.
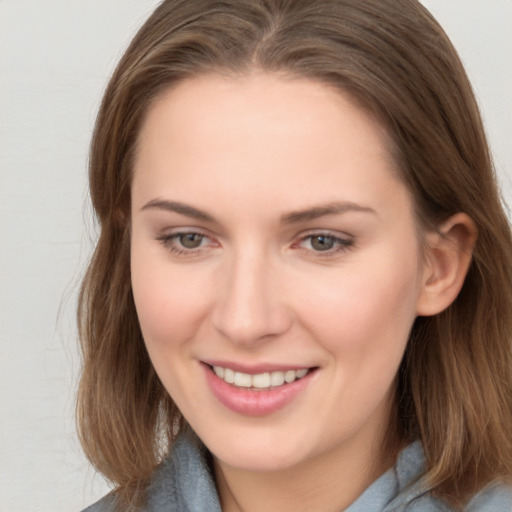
{"x":275,"y":266}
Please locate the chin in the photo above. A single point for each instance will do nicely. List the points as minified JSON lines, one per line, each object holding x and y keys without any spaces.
{"x":269,"y":461}
{"x":261,"y":453}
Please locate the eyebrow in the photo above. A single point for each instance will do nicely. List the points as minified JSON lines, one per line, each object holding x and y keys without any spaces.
{"x":176,"y":207}
{"x":327,"y":209}
{"x":307,"y":214}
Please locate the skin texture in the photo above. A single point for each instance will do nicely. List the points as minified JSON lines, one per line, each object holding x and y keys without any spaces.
{"x":253,"y":287}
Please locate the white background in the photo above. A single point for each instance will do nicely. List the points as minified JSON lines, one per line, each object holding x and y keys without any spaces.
{"x":56,"y":56}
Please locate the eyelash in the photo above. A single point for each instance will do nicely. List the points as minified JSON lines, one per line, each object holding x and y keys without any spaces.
{"x":340,"y":245}
{"x":171,"y":241}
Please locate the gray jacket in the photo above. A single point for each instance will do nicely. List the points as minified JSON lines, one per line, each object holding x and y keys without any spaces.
{"x":184,"y":483}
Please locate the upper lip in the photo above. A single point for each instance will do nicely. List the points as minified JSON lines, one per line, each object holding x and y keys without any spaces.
{"x":254,"y":369}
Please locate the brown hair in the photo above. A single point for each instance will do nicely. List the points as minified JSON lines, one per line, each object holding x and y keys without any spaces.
{"x":455,"y":383}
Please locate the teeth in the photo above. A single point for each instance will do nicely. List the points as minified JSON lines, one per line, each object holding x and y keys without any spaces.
{"x":244,"y":380}
{"x":276,"y":378}
{"x":261,"y":380}
{"x":229,"y":375}
{"x":301,"y":373}
{"x":289,"y":376}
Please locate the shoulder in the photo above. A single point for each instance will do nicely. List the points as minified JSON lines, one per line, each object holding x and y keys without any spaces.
{"x":183,"y":482}
{"x":412,"y":494}
{"x":106,"y":504}
{"x":494,"y":498}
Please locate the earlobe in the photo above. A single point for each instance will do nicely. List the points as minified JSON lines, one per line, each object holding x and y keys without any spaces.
{"x":449,"y":252}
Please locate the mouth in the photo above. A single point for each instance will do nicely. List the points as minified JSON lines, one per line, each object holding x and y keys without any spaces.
{"x":264,"y":381}
{"x":257,"y":390}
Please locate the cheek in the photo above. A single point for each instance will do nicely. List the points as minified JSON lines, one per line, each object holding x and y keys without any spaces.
{"x":367,"y":312}
{"x":169,"y":305}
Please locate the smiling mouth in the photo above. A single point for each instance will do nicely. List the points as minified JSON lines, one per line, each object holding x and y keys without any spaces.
{"x":260,"y":381}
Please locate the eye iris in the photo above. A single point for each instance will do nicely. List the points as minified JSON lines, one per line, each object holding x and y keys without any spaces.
{"x":190,"y":240}
{"x":322,"y":242}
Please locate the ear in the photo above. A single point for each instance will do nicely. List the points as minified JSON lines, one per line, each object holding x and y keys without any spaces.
{"x":447,"y":259}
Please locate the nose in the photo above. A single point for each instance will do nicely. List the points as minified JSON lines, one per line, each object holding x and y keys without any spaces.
{"x":251,"y":305}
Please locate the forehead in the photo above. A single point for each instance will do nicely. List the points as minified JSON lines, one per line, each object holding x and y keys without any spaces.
{"x":215,"y":99}
{"x":262,"y":132}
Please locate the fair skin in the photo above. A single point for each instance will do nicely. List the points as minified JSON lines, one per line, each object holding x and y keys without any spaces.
{"x":271,"y":234}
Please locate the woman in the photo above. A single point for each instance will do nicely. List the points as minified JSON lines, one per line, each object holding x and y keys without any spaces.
{"x":300,"y":297}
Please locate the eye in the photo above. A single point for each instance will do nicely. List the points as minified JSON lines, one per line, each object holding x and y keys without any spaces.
{"x":325,"y":243}
{"x":322,"y":242}
{"x":186,"y":243}
{"x":190,"y":240}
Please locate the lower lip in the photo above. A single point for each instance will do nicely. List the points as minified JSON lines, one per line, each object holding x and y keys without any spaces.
{"x":254,"y":403}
